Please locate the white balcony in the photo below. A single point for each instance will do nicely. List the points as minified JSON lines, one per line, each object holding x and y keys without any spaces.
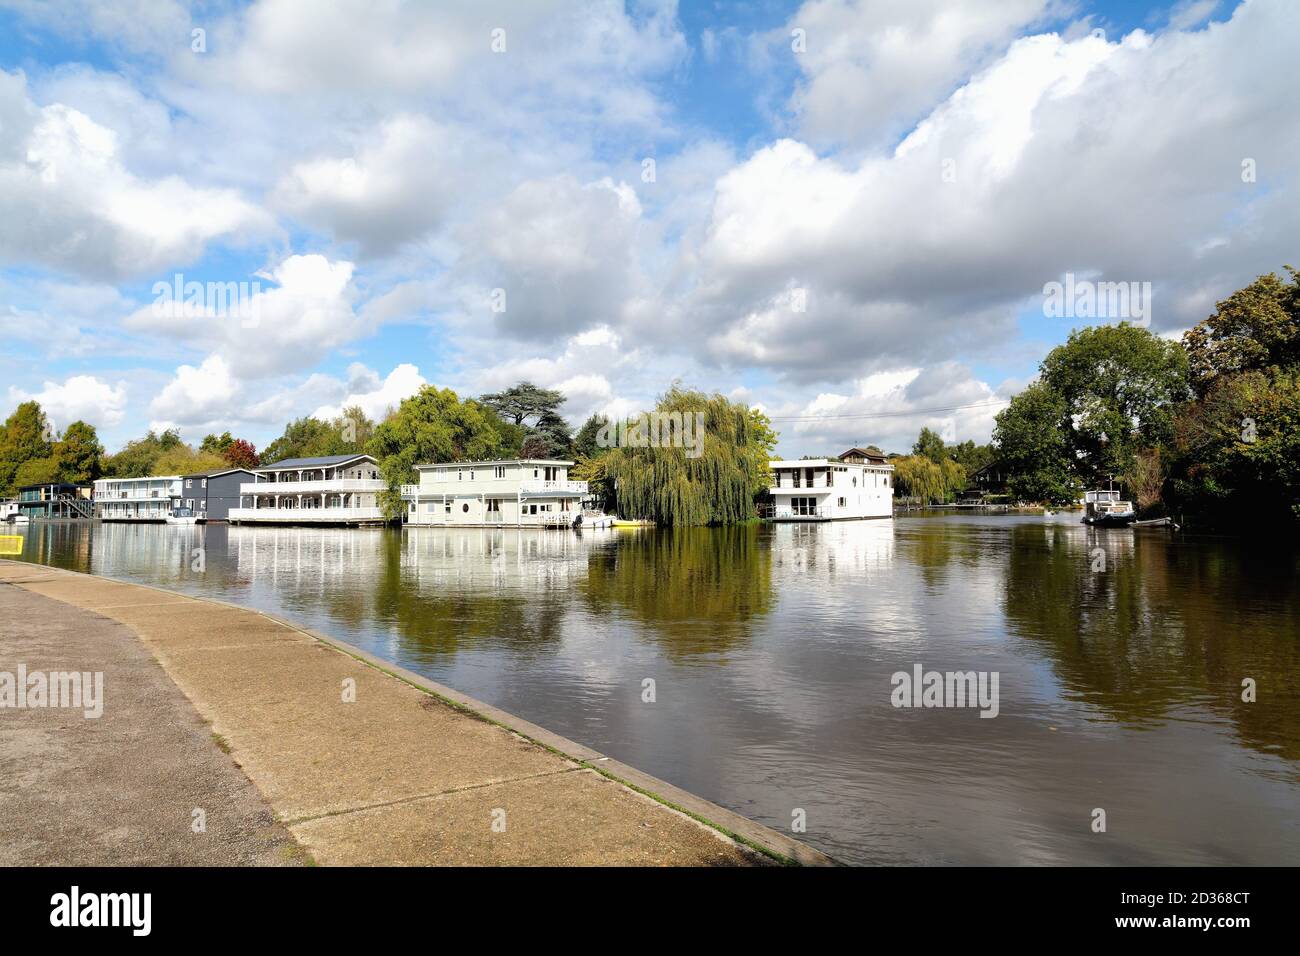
{"x":537,"y":487}
{"x":410,"y":491}
{"x":307,"y":515}
{"x":328,"y":486}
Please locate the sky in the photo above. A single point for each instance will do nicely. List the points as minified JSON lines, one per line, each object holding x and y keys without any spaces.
{"x":844,"y":212}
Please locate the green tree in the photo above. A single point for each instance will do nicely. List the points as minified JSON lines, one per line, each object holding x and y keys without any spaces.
{"x":584,"y":443}
{"x":1254,"y":329}
{"x":1120,"y":385}
{"x":26,"y":436}
{"x":670,"y":487}
{"x":78,"y":454}
{"x":139,"y":457}
{"x":930,"y":445}
{"x":216,"y":444}
{"x":522,"y":402}
{"x":432,"y":425}
{"x":307,"y":438}
{"x":36,"y":471}
{"x":1032,"y":443}
{"x":550,"y":438}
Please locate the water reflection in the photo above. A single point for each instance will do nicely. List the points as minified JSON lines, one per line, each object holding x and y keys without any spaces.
{"x":773,"y":648}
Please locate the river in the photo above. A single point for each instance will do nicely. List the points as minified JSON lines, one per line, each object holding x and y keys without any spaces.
{"x":769,"y":652}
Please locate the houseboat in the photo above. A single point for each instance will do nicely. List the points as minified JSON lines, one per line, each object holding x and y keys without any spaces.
{"x":210,"y":495}
{"x":1107,"y":509}
{"x":521,"y":492}
{"x":334,"y":490}
{"x":857,"y":484}
{"x":54,"y":499}
{"x":151,"y":498}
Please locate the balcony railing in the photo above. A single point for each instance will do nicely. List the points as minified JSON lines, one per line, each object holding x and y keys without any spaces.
{"x":306,"y":514}
{"x":311,"y":487}
{"x":410,"y":491}
{"x":534,"y":486}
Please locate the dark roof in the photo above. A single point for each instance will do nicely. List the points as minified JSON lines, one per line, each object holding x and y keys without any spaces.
{"x":313,"y":462}
{"x":216,"y":471}
{"x":53,"y":484}
{"x":863,"y":453}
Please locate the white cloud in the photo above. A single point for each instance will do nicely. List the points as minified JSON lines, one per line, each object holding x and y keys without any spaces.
{"x":80,"y":397}
{"x":287,"y":327}
{"x":70,"y":204}
{"x":871,"y":67}
{"x":377,"y":397}
{"x":198,"y":396}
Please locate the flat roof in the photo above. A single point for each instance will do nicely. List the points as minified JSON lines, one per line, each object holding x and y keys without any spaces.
{"x":495,"y":461}
{"x":828,"y":463}
{"x":217,"y":471}
{"x":324,"y":461}
{"x":143,"y":478}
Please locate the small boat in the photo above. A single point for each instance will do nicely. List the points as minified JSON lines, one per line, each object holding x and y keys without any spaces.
{"x":1106,"y":509}
{"x":596,"y":519}
{"x":182,"y":516}
{"x":632,"y":523}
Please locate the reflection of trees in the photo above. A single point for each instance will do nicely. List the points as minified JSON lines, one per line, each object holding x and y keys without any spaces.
{"x":696,"y":590}
{"x":1167,"y":624}
{"x":931,"y":546}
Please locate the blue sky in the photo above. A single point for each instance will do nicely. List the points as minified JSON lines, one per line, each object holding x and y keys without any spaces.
{"x":854,"y":235}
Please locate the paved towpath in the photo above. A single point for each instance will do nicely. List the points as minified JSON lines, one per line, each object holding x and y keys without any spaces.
{"x":300,"y":748}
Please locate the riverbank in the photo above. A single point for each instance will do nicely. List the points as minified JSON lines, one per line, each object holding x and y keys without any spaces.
{"x":359,"y":761}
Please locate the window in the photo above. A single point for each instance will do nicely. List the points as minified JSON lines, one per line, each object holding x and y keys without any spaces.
{"x":499,"y":471}
{"x":412,"y":507}
{"x":494,"y":504}
{"x":465,"y":507}
{"x":188,"y":482}
{"x":205,"y":482}
{"x":459,"y":474}
{"x":446,"y":508}
{"x":429,"y":508}
{"x":841,"y":502}
{"x":797,"y":473}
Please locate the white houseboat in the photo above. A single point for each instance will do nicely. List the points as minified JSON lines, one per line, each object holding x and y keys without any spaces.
{"x":857,"y":484}
{"x":521,"y":492}
{"x":137,"y":499}
{"x":335,"y":489}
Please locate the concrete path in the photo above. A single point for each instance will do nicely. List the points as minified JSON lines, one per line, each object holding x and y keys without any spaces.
{"x":361,"y":762}
{"x":122,"y":788}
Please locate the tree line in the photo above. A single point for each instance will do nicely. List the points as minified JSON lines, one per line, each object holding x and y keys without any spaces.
{"x":1207,"y":427}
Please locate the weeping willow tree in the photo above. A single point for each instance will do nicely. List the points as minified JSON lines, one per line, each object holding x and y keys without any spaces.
{"x":696,"y":459}
{"x":916,"y":476}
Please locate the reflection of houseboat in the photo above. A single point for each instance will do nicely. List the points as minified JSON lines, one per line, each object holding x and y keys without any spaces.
{"x":1107,"y":509}
{"x":857,"y":484}
{"x":524,"y":492}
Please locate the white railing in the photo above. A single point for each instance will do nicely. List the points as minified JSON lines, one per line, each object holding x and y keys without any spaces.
{"x":535,"y":486}
{"x":311,"y":487}
{"x":306,"y":514}
{"x":410,"y":491}
{"x":786,"y":513}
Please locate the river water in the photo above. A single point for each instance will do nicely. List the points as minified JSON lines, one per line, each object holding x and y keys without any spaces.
{"x":1120,"y":658}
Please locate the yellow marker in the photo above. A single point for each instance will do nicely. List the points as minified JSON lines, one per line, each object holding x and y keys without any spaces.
{"x":11,"y":544}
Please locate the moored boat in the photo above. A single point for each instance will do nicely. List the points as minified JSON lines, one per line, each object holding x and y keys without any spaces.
{"x":1106,"y":509}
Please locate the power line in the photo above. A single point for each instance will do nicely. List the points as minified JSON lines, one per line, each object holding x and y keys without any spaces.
{"x":906,"y":414}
